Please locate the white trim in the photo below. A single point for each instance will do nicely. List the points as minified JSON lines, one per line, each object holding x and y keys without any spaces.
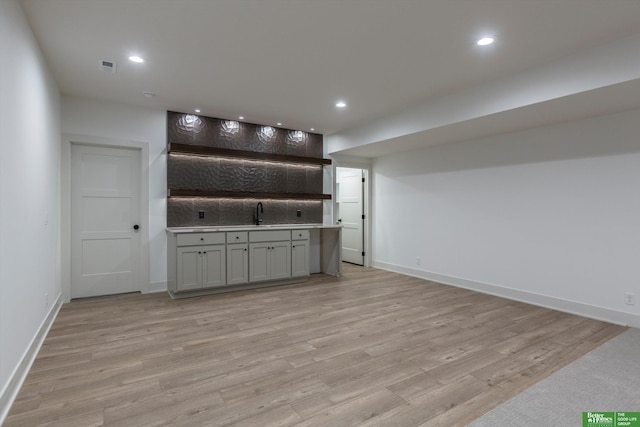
{"x":559,"y":304}
{"x":19,"y":374}
{"x":65,"y":204}
{"x":155,"y":287}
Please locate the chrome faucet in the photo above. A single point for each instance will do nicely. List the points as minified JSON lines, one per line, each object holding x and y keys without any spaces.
{"x":259,"y":210}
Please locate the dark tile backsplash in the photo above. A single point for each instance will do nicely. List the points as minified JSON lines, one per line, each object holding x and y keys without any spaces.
{"x":206,"y":131}
{"x":212,"y":173}
{"x":184,"y":212}
{"x":194,"y":172}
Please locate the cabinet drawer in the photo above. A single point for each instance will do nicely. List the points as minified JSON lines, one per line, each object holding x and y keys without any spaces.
{"x":193,"y":239}
{"x":299,"y":234}
{"x":237,"y":237}
{"x":269,"y":236}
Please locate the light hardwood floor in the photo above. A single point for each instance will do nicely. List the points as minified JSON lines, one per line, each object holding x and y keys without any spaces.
{"x":372,"y":348}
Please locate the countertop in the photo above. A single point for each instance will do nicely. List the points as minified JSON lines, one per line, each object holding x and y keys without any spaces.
{"x":210,"y":229}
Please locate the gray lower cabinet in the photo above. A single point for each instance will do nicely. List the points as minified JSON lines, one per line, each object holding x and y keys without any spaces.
{"x":269,"y":261}
{"x":196,"y":261}
{"x":201,"y":261}
{"x":237,"y":258}
{"x":237,"y":263}
{"x":299,"y":253}
{"x":200,"y":267}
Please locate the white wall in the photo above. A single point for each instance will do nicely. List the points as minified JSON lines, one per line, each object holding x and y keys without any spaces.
{"x":29,"y":195}
{"x":550,"y":215}
{"x":115,"y":123}
{"x":549,"y":86}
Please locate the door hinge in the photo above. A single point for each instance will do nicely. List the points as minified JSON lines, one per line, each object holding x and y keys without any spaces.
{"x":362,"y":179}
{"x":362,"y":253}
{"x":362,"y":216}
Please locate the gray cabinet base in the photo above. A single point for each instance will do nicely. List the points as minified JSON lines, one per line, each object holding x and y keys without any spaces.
{"x":222,"y":289}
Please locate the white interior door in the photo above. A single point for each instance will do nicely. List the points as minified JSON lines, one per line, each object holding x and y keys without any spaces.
{"x":351,"y":215}
{"x":105,"y":218}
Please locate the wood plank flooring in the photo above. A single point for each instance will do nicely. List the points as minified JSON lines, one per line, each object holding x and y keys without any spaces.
{"x":372,"y":348}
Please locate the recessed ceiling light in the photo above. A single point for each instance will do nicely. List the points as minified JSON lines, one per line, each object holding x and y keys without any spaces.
{"x":197,"y":110}
{"x":136,"y":59}
{"x":485,"y":41}
{"x":149,"y":94}
{"x":341,"y":104}
{"x":241,"y":118}
{"x":279,"y":124}
{"x":312,"y":129}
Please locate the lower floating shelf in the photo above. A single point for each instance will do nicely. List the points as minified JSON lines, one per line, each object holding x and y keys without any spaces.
{"x":174,"y":192}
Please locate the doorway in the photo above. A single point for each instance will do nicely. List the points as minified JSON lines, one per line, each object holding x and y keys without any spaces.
{"x":105,"y":220}
{"x":350,"y":183}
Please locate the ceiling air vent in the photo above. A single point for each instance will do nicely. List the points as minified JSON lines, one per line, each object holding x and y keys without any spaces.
{"x":108,"y":66}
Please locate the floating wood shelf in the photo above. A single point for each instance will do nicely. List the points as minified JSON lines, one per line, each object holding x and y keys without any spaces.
{"x":254,"y":155}
{"x":174,"y":192}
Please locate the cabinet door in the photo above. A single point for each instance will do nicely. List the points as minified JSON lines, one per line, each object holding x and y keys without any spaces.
{"x":299,"y":258}
{"x":280,"y":260}
{"x":259,"y":262}
{"x":214,"y":266}
{"x":189,"y":268}
{"x":237,"y":264}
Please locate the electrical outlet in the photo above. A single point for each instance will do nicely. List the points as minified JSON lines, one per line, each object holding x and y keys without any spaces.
{"x":629,"y":299}
{"x":418,"y":260}
{"x":298,"y":213}
{"x":201,"y":214}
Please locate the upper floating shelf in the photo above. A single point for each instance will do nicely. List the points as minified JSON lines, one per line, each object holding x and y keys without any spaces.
{"x":227,"y":152}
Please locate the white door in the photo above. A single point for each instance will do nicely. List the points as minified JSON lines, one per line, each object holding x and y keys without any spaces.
{"x":105,"y":218}
{"x":351,"y":215}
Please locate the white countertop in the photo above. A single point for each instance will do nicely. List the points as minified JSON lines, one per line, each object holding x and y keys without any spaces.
{"x":209,"y":229}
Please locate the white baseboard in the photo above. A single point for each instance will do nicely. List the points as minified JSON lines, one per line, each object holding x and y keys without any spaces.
{"x":20,"y":372}
{"x":559,"y":304}
{"x":157,"y":287}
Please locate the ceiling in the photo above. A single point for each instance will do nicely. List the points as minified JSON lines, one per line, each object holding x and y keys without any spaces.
{"x":290,"y":61}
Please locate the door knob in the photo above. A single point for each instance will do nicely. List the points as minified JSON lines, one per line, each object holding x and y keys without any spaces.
{"x":135,"y":227}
